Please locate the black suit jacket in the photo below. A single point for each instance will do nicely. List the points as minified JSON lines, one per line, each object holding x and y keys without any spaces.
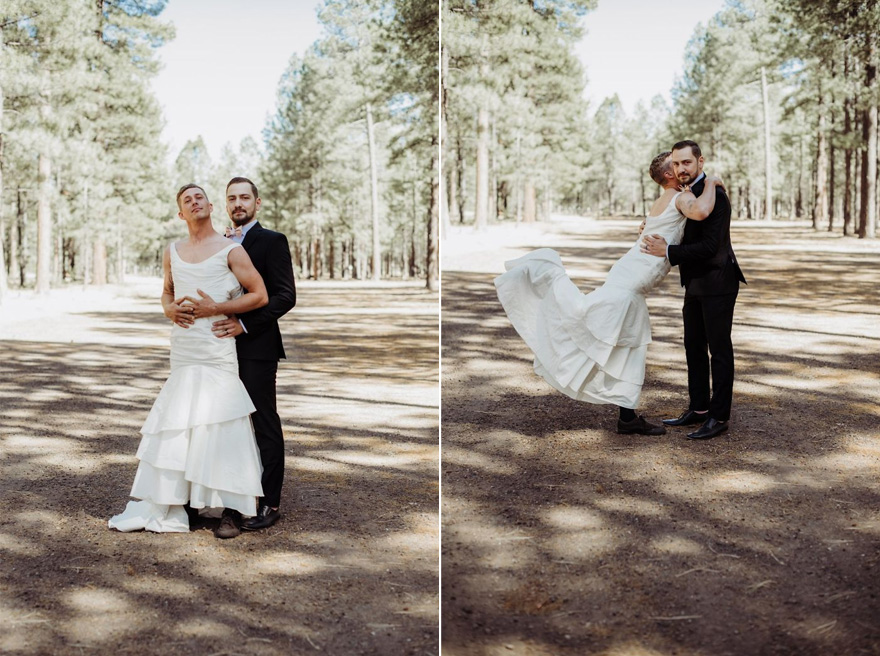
{"x":270,"y":254}
{"x":705,"y":257}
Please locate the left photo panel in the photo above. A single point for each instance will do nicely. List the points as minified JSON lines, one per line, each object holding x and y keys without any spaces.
{"x":219,"y":316}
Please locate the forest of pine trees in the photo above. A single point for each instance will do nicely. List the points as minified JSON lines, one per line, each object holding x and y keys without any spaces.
{"x":781,"y":94}
{"x":348,"y":169}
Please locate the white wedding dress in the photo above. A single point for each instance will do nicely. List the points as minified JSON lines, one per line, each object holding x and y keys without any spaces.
{"x":591,"y":347}
{"x":198,"y":442}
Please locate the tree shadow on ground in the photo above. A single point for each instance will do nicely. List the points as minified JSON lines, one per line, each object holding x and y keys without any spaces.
{"x":351,"y":568}
{"x":562,"y":537}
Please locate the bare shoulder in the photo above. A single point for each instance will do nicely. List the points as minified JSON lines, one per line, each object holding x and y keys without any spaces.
{"x":237,"y":255}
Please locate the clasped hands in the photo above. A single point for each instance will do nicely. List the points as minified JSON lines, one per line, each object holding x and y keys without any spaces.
{"x":184,"y":311}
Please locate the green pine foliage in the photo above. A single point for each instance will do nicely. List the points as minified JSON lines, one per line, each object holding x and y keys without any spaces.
{"x":76,"y":98}
{"x":372,"y":68}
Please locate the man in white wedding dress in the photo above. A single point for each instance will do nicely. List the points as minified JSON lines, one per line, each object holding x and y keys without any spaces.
{"x":710,"y":276}
{"x":198,"y":448}
{"x":592,"y":347}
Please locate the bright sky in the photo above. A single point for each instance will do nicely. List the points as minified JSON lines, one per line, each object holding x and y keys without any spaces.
{"x":635,"y":48}
{"x":222,"y":69}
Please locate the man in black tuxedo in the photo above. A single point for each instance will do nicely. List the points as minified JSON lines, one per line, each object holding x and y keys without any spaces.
{"x":258,"y":338}
{"x":711,"y":276}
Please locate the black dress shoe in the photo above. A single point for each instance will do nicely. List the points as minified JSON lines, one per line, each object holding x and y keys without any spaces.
{"x":639,"y":426}
{"x":264,"y":519}
{"x":686,"y":418}
{"x":709,"y":429}
{"x":230,"y":525}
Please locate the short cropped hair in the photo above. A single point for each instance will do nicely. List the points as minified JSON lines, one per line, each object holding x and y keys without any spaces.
{"x":687,"y":143}
{"x":239,"y":179}
{"x":660,"y":165}
{"x":191,"y":185}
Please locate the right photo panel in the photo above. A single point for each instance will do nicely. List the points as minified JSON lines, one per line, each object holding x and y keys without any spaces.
{"x":660,"y":328}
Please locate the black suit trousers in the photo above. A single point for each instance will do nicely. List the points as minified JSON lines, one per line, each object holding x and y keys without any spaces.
{"x":258,"y":377}
{"x":708,"y":321}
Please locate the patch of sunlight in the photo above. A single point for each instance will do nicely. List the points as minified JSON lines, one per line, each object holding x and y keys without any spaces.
{"x":469,"y":458}
{"x":631,"y":648}
{"x":422,"y":605}
{"x":676,"y":545}
{"x":286,"y":563}
{"x":20,"y":546}
{"x":160,"y":586}
{"x":581,"y":545}
{"x":32,"y":443}
{"x":314,"y":464}
{"x":96,"y":601}
{"x":745,"y":482}
{"x":428,"y":522}
{"x":867,"y":445}
{"x":70,"y":462}
{"x":98,"y":615}
{"x":365,"y":459}
{"x":202,"y":628}
{"x":497,"y":547}
{"x":840,"y":462}
{"x":21,"y":630}
{"x":631,"y":505}
{"x":413,"y":546}
{"x":45,"y":519}
{"x":516,"y":646}
{"x":572,"y":519}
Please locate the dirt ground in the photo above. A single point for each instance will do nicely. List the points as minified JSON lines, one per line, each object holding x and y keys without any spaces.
{"x":561,"y":537}
{"x":352,"y":567}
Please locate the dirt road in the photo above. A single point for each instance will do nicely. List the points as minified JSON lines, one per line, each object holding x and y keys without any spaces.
{"x":350,"y":569}
{"x":562,"y":537}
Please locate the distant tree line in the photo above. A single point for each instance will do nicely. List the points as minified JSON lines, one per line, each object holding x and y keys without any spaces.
{"x":348,"y":168}
{"x":81,"y":164}
{"x":781,"y":94}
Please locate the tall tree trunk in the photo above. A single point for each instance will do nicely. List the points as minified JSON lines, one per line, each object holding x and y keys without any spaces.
{"x":447,"y":190}
{"x":432,"y":254}
{"x":120,"y":252}
{"x":14,"y":237}
{"x":459,"y":178}
{"x":44,"y":224}
{"x":481,"y":192}
{"x":453,"y":215}
{"x":18,"y":256}
{"x":530,"y":202}
{"x":848,"y":179}
{"x":820,"y":215}
{"x":99,"y":261}
{"x":869,"y":180}
{"x":4,"y":283}
{"x":768,"y":171}
{"x":481,"y":210}
{"x":492,"y":215}
{"x":374,"y":195}
{"x":832,"y":209}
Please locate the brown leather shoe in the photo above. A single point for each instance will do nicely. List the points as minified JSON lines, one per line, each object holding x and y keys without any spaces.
{"x":639,"y":426}
{"x":230,"y":525}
